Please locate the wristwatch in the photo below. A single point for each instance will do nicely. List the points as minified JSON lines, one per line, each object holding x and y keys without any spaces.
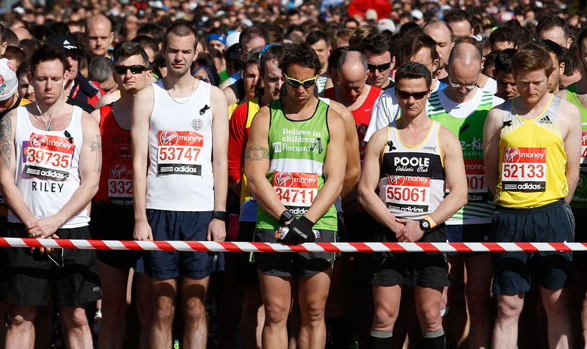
{"x":425,"y":225}
{"x":219,"y":215}
{"x":286,"y":216}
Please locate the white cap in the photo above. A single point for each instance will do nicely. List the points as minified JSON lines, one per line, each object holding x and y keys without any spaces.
{"x":232,"y":39}
{"x":371,"y":15}
{"x":8,"y":80}
{"x":386,"y":24}
{"x":417,"y":14}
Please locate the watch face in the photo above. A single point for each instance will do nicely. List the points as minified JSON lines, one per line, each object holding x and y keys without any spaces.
{"x":425,"y":224}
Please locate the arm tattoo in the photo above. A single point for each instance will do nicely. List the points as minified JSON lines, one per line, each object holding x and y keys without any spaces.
{"x":96,"y":146}
{"x":6,"y":142}
{"x":256,"y":153}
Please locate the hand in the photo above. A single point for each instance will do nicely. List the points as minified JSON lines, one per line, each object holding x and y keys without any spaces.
{"x":300,"y":231}
{"x":411,"y":231}
{"x":216,"y":230}
{"x":142,"y":231}
{"x":396,"y":227}
{"x":44,"y":228}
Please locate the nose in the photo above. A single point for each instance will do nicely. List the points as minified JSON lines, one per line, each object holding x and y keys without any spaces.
{"x":128,"y":73}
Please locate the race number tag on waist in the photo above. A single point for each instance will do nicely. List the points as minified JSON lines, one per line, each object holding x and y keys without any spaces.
{"x":477,"y":189}
{"x":524,"y":169}
{"x":296,"y":189}
{"x":48,"y":157}
{"x":120,"y":185}
{"x":408,"y":193}
{"x":178,"y":153}
{"x":584,"y":152}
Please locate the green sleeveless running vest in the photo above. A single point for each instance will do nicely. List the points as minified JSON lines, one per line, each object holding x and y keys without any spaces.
{"x":469,"y":131}
{"x":297,"y":150}
{"x":580,"y":196}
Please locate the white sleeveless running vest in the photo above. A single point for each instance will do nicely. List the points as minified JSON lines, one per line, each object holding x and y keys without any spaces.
{"x":180,"y":176}
{"x":47,"y":167}
{"x":411,"y":181}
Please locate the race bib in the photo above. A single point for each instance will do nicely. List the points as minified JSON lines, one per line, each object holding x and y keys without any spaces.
{"x":178,"y":153}
{"x":48,"y":157}
{"x":120,"y":185}
{"x":477,"y":188}
{"x":524,"y":169}
{"x":408,"y":193}
{"x":296,"y":189}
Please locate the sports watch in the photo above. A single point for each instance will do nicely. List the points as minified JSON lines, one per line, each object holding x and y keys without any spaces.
{"x":286,"y":216}
{"x":425,"y":225}
{"x":219,"y":215}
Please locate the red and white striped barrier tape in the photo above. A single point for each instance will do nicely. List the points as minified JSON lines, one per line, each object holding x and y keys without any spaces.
{"x":234,"y":246}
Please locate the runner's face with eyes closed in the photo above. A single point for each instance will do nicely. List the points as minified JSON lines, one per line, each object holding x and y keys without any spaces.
{"x":48,"y":80}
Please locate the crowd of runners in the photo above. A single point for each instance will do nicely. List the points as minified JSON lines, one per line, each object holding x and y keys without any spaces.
{"x":293,"y":121}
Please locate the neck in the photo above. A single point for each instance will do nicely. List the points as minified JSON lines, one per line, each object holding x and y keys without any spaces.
{"x":524,"y":107}
{"x":413,"y":123}
{"x":126,"y":100}
{"x":174,"y":82}
{"x":48,"y":108}
{"x":296,"y":108}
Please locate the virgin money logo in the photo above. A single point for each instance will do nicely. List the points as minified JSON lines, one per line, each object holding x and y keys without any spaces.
{"x":284,"y":179}
{"x":9,"y":64}
{"x":396,"y":180}
{"x":511,"y":155}
{"x":39,"y":141}
{"x":168,"y":137}
{"x":118,"y":171}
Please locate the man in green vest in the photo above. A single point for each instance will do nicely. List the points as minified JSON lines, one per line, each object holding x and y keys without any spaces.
{"x":462,"y":108}
{"x":295,"y":165}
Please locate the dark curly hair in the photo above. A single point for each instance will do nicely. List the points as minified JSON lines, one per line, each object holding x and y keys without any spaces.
{"x":301,"y":55}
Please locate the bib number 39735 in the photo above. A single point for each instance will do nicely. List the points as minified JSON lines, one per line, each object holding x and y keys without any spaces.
{"x":524,"y":169}
{"x":296,"y":189}
{"x":178,"y":153}
{"x":48,"y":157}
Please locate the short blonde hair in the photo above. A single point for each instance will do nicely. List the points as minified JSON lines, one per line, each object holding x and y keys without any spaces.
{"x":531,"y":58}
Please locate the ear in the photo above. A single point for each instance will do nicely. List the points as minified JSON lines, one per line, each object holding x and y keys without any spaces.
{"x":561,"y":68}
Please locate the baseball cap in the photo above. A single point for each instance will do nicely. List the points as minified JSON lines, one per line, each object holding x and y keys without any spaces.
{"x":371,"y":15}
{"x":417,"y":14}
{"x":232,"y":39}
{"x":386,"y":24}
{"x":65,"y":41}
{"x":8,"y":80}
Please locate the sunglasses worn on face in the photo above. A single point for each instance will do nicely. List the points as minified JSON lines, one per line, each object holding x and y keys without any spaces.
{"x":467,"y":87}
{"x":380,"y":67}
{"x":135,"y":69}
{"x":406,"y":95}
{"x":295,"y":83}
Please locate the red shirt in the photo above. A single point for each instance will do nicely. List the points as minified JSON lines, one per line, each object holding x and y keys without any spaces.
{"x":238,"y":138}
{"x":116,"y":176}
{"x":362,"y":114}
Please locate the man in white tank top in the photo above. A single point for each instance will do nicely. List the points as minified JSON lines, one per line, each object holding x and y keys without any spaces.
{"x":410,"y":161}
{"x":49,"y":171}
{"x":179,"y":137}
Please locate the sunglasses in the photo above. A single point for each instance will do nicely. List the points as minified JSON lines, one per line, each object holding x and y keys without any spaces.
{"x":295,"y":83}
{"x":467,"y":87}
{"x":135,"y":69}
{"x":380,"y":67}
{"x":406,"y":95}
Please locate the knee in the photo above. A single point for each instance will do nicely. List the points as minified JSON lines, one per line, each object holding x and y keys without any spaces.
{"x":75,"y":319}
{"x":509,"y":308}
{"x":314,"y":311}
{"x":383,"y":319}
{"x":194,"y":310}
{"x":430,"y":319}
{"x":21,"y":320}
{"x":276,"y":313}
{"x":164,"y":310}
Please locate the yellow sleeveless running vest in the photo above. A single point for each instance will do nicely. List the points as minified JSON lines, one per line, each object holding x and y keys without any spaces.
{"x":532,"y":160}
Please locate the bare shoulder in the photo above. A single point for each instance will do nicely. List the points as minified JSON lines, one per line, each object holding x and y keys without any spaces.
{"x":447,"y":135}
{"x":262,"y":115}
{"x":144,"y":93}
{"x":217,"y":95}
{"x":335,"y":119}
{"x":562,"y":94}
{"x":379,"y":137}
{"x":89,"y":123}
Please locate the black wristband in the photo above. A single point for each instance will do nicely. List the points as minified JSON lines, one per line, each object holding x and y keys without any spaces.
{"x":306,"y":221}
{"x":286,"y":216}
{"x":219,"y":215}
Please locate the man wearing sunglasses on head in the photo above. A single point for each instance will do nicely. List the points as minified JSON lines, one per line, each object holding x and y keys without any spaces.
{"x":113,"y":202}
{"x":295,"y":162}
{"x":462,"y":108}
{"x":405,"y":170}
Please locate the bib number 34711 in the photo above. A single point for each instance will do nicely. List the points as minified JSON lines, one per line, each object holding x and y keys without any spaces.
{"x":296,"y":189}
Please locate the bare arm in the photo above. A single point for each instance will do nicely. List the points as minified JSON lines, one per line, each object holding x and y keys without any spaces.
{"x":572,"y":137}
{"x":7,"y":171}
{"x":230,"y":96}
{"x":257,"y":165}
{"x":370,"y":179}
{"x":491,"y":138}
{"x":217,"y":229}
{"x":353,"y":159}
{"x":139,"y":131}
{"x":96,"y":115}
{"x":456,"y":178}
{"x":90,"y":165}
{"x":334,"y":167}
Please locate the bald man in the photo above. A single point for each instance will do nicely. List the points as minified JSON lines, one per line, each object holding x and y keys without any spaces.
{"x":462,"y":108}
{"x":22,"y":33}
{"x":100,"y":35}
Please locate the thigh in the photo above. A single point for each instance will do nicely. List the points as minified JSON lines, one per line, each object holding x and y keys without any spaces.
{"x":430,"y":269}
{"x":162,"y":264}
{"x":275,"y":292}
{"x":114,"y":283}
{"x":274,"y":264}
{"x":193,"y":226}
{"x":313,"y":290}
{"x":387,"y":299}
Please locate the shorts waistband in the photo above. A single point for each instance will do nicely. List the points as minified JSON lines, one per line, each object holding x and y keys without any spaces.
{"x":538,"y":209}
